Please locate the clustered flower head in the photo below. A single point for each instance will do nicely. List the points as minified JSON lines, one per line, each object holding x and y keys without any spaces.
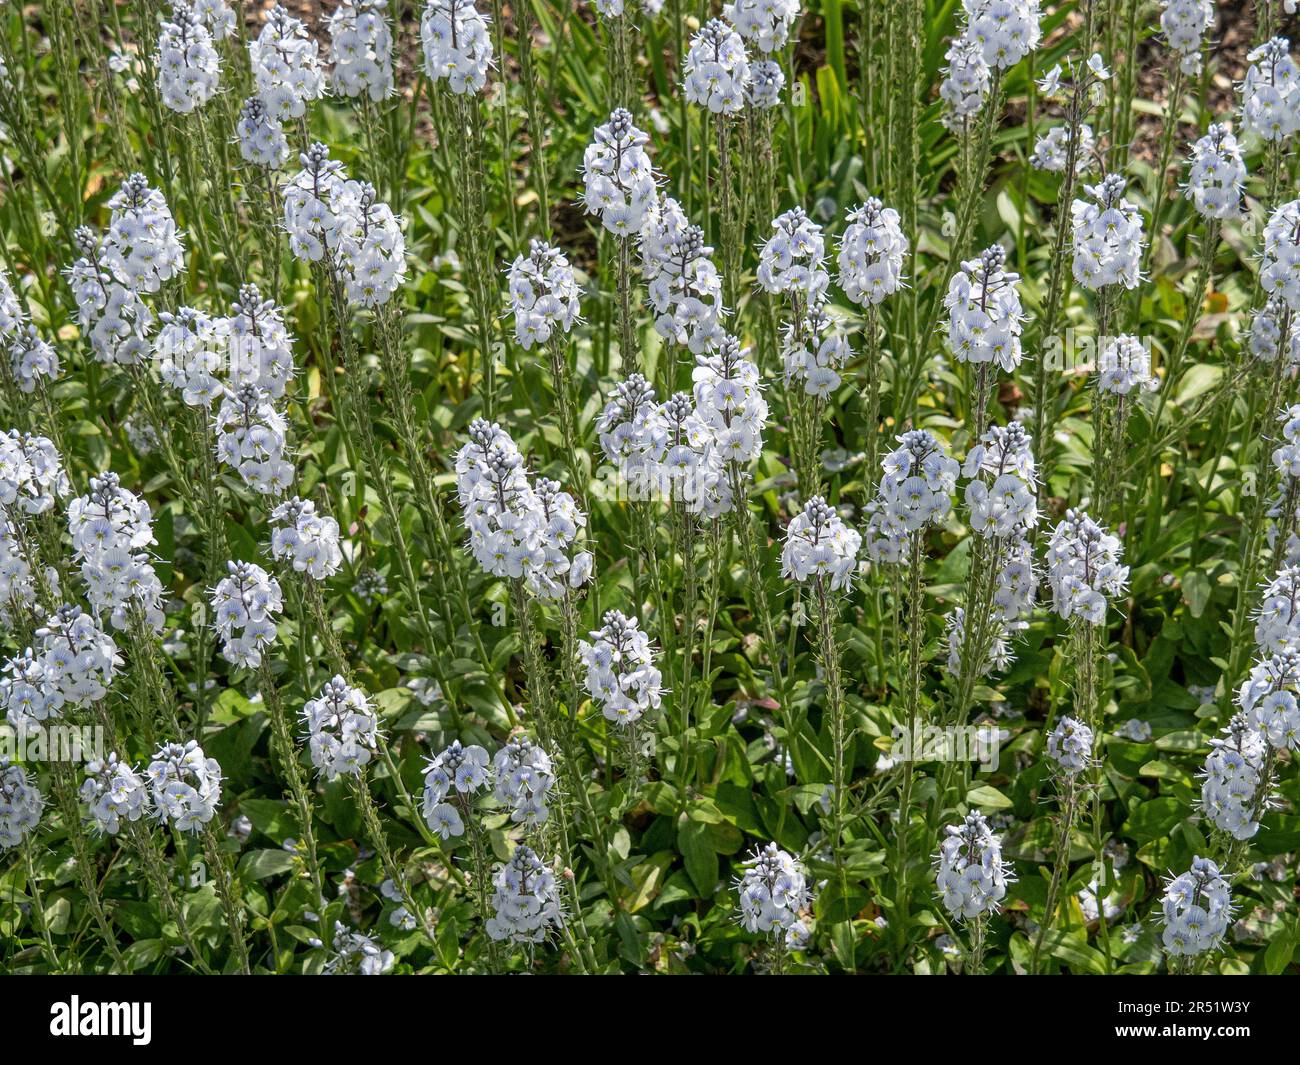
{"x":1069,"y":745}
{"x":21,"y":803}
{"x":31,"y":358}
{"x":1001,"y":491}
{"x":342,"y":729}
{"x":261,"y":135}
{"x":1083,"y":568}
{"x":684,"y":286}
{"x":1271,"y":329}
{"x":621,"y":675}
{"x":814,"y":351}
{"x":189,"y":70}
{"x":110,"y":312}
{"x":966,"y":82}
{"x":766,"y":82}
{"x":984,"y":312}
{"x":1124,"y":367}
{"x":692,"y":467}
{"x":772,"y":890}
{"x":766,"y":24}
{"x":729,"y":400}
{"x":1197,"y":907}
{"x":72,"y":663}
{"x":463,"y":770}
{"x":245,"y":604}
{"x":525,"y":899}
{"x":217,"y":16}
{"x":191,"y":350}
{"x":1286,"y":461}
{"x":790,"y":261}
{"x":457,"y":45}
{"x":518,"y":530}
{"x":31,"y":474}
{"x":523,"y":776}
{"x":329,"y":216}
{"x":362,"y":49}
{"x":1233,"y":777}
{"x":1005,"y":30}
{"x":261,"y":350}
{"x":1279,"y":273}
{"x":1107,"y":236}
{"x":286,"y":66}
{"x":308,"y":541}
{"x":915,"y":492}
{"x":972,"y":877}
{"x":1270,"y":94}
{"x":143,"y":246}
{"x":818,"y":544}
{"x":618,"y":180}
{"x":632,"y":431}
{"x":355,"y":954}
{"x":1052,"y":150}
{"x":1269,"y":699}
{"x":1185,"y":23}
{"x":1217,"y":176}
{"x":113,"y":792}
{"x":1277,"y":620}
{"x":251,"y":440}
{"x":717,"y":69}
{"x":543,"y":294}
{"x":872,"y":250}
{"x":111,"y":530}
{"x":185,"y":785}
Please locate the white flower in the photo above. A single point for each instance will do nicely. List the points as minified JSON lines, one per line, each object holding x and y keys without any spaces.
{"x":31,"y":474}
{"x":113,"y":792}
{"x":1270,"y":94}
{"x":1233,"y":777}
{"x":717,"y":69}
{"x":729,"y":400}
{"x":250,"y":435}
{"x":111,"y":528}
{"x":684,"y":286}
{"x":543,"y":294}
{"x":21,"y":803}
{"x":31,"y":358}
{"x":1001,"y":493}
{"x":357,"y":955}
{"x":245,"y":605}
{"x":1069,"y":745}
{"x":260,"y":347}
{"x":1279,"y":273}
{"x":1124,"y":367}
{"x":872,"y":250}
{"x":457,"y":46}
{"x":217,"y":16}
{"x":818,"y":544}
{"x":1185,"y":23}
{"x":342,"y":729}
{"x":523,"y":778}
{"x":984,"y":313}
{"x":618,"y":180}
{"x":1005,"y":30}
{"x":815,"y":352}
{"x":525,"y":899}
{"x":189,"y":70}
{"x":143,"y":246}
{"x":772,"y":890}
{"x":620,"y":673}
{"x":308,"y":541}
{"x":71,"y":664}
{"x":261,"y":135}
{"x":791,"y":260}
{"x":1267,"y":328}
{"x":1051,"y":151}
{"x":1217,"y":176}
{"x":185,"y":785}
{"x":1084,"y":569}
{"x":915,"y":491}
{"x":766,"y":82}
{"x":971,"y":876}
{"x":1107,"y":236}
{"x":766,"y":24}
{"x":286,"y":66}
{"x":966,"y":82}
{"x":110,"y":312}
{"x":1134,"y":729}
{"x":1269,"y":699}
{"x":1197,"y":907}
{"x":361,"y":45}
{"x":632,"y":431}
{"x":458,"y":773}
